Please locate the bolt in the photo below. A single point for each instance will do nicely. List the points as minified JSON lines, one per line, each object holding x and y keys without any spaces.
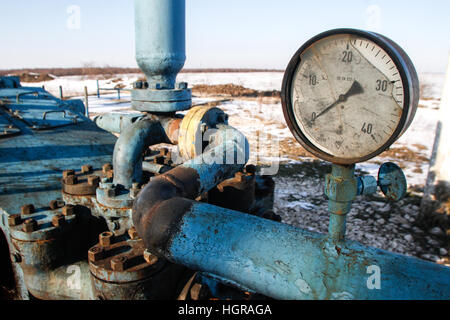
{"x":71,"y":180}
{"x":94,"y":181}
{"x":28,"y":209}
{"x":68,"y":210}
{"x":110,"y":175}
{"x":164,"y":152}
{"x":14,"y":220}
{"x":150,"y":258}
{"x":133,"y":233}
{"x":118,"y":264}
{"x":138,"y":84}
{"x":68,"y":173}
{"x":56,"y":204}
{"x":107,"y":167}
{"x":95,"y":254}
{"x":105,"y":239}
{"x":58,"y":220}
{"x":111,"y":191}
{"x":30,"y":225}
{"x":146,"y":85}
{"x":182,"y":85}
{"x":86,"y":169}
{"x":239,"y":176}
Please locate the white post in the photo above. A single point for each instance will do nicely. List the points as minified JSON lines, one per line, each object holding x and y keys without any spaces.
{"x":437,"y":190}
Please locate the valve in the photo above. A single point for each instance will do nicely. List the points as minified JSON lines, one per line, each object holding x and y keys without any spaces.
{"x":391,"y":180}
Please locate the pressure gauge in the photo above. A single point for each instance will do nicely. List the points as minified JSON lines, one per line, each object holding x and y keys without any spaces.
{"x":349,"y":94}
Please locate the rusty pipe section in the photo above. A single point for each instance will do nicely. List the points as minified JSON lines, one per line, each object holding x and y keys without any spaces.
{"x":168,"y":197}
{"x":140,"y":134}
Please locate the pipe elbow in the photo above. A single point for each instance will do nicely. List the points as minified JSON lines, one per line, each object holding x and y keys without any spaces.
{"x":127,"y":158}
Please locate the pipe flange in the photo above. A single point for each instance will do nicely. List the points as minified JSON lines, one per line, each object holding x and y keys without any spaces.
{"x":122,"y":261}
{"x":194,"y":126}
{"x":112,"y":196}
{"x":161,"y":100}
{"x":83,"y":183}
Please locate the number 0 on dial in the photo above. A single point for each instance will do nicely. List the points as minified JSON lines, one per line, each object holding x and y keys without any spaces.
{"x":348,"y":95}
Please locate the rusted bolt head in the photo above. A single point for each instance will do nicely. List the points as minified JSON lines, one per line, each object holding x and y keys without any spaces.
{"x":94,"y":181}
{"x":30,"y":225}
{"x":58,"y":220}
{"x":118,"y":263}
{"x":68,"y":210}
{"x":68,"y":173}
{"x":28,"y":209}
{"x":71,"y":180}
{"x":86,"y":168}
{"x":105,"y":238}
{"x":164,"y":152}
{"x":150,"y":258}
{"x":111,"y":191}
{"x":239,"y":176}
{"x":107,"y":167}
{"x":14,"y":220}
{"x":110,"y":174}
{"x":95,"y":254}
{"x":133,"y":233}
{"x":56,"y":204}
{"x":251,"y":169}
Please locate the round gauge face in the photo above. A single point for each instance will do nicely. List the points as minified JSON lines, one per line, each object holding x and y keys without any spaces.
{"x":349,"y":94}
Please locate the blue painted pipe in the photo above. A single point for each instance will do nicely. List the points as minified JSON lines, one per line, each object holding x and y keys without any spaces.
{"x":160,"y":40}
{"x":285,"y":262}
{"x":228,"y":155}
{"x":127,"y":158}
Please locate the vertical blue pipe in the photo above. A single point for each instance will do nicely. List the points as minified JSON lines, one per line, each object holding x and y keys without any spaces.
{"x":160,"y":40}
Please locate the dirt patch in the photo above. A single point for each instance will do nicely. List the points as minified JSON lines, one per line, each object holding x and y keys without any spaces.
{"x":403,"y":153}
{"x":232,"y":90}
{"x":34,"y":77}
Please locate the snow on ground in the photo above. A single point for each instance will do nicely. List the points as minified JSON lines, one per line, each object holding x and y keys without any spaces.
{"x":299,"y":180}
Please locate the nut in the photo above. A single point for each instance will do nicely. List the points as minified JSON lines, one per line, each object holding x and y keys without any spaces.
{"x":110,"y":174}
{"x":107,"y":167}
{"x":56,"y":204}
{"x":94,"y":181}
{"x":68,"y":210}
{"x":119,"y":263}
{"x":132,"y":232}
{"x":68,"y":173}
{"x":86,"y":168}
{"x":164,"y":152}
{"x":95,"y":254}
{"x":150,"y":258}
{"x":14,"y":220}
{"x":30,"y":225}
{"x":111,"y":191}
{"x":58,"y":220}
{"x":28,"y":209}
{"x":105,"y":239}
{"x":71,"y":180}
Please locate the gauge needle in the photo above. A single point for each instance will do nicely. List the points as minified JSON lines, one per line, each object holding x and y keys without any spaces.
{"x":354,"y":90}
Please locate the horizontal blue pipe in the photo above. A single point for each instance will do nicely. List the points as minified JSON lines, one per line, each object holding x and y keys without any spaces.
{"x":285,"y":262}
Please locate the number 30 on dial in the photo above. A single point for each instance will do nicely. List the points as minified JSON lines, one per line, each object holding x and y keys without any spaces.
{"x":349,"y":94}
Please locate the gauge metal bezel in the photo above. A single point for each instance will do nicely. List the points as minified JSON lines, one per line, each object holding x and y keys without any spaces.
{"x":410,"y":90}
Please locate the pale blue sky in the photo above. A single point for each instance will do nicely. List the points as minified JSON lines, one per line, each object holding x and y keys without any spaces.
{"x":231,"y":33}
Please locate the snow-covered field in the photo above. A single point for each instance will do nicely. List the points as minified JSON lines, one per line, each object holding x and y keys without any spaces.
{"x":299,"y":195}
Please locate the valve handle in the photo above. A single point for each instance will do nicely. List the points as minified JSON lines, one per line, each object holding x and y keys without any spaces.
{"x":392,"y":181}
